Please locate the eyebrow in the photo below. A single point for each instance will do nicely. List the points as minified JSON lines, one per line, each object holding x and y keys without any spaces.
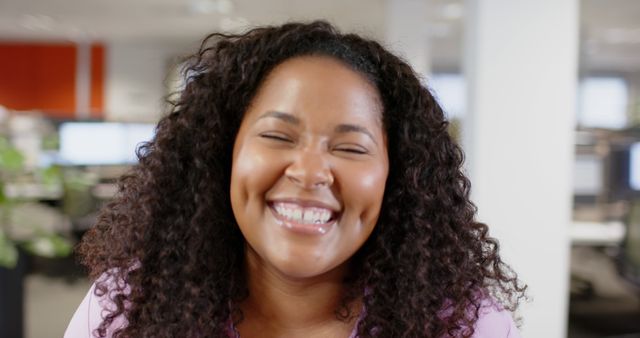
{"x":351,"y":128}
{"x":340,"y":129}
{"x":286,"y":117}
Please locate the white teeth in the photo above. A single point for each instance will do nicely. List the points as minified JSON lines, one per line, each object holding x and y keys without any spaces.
{"x":295,"y":213}
{"x":309,"y":217}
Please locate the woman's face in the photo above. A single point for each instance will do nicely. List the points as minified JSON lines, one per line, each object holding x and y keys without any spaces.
{"x":309,"y":167}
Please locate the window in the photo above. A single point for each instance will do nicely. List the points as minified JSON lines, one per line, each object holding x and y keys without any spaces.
{"x":450,"y":91}
{"x":602,"y":103}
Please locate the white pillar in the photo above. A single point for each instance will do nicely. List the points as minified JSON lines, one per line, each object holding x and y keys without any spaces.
{"x":83,"y":79}
{"x":135,"y":82}
{"x":521,"y":67}
{"x":406,"y":33}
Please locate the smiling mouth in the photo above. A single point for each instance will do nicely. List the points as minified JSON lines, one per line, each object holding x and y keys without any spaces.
{"x":306,"y":220}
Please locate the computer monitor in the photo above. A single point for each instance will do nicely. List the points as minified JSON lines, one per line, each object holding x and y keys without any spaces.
{"x":588,"y":178}
{"x":101,"y":143}
{"x":634,"y":167}
{"x":624,"y":172}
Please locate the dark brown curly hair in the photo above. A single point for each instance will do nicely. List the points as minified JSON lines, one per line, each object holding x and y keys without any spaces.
{"x":171,"y":239}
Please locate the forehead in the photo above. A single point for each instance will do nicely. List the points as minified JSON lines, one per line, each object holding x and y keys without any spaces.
{"x":318,"y":84}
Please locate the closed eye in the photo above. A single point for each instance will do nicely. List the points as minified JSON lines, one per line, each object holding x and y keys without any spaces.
{"x":276,"y":137}
{"x":352,"y":149}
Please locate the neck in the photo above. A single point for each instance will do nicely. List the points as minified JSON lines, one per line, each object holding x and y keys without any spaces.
{"x":278,"y":304}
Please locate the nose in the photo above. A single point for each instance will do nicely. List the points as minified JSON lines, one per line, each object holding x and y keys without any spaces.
{"x":310,"y":170}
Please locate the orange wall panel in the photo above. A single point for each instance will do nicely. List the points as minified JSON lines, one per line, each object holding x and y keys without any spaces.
{"x":43,"y":77}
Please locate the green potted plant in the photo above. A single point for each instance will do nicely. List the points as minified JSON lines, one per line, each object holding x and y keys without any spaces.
{"x":18,"y":240}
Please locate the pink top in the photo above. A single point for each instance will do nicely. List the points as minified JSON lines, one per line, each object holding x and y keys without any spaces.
{"x":493,"y":323}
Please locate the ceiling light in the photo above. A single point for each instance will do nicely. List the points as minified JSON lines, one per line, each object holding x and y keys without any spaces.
{"x":37,"y":22}
{"x":225,"y":6}
{"x":210,"y":6}
{"x":452,"y":11}
{"x":233,"y":24}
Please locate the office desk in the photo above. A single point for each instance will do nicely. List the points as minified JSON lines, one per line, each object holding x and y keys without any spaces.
{"x":597,"y":233}
{"x":33,"y":191}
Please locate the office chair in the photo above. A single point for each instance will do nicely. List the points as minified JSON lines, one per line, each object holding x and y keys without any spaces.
{"x":629,"y":258}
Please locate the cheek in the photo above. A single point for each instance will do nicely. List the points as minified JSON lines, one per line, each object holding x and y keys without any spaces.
{"x":371,"y":181}
{"x":252,"y":174}
{"x":366,"y":191}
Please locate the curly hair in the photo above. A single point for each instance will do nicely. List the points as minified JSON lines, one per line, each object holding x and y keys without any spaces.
{"x":170,"y":238}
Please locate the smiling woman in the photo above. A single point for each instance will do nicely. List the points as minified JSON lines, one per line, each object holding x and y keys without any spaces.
{"x":303,"y":185}
{"x":307,"y":180}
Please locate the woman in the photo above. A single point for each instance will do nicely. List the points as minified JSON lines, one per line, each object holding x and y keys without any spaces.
{"x":303,"y":185}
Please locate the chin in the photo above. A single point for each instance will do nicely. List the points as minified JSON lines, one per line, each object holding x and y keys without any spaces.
{"x":300,"y":269}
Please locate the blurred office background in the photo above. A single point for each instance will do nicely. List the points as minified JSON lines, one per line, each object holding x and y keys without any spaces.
{"x":544,"y":96}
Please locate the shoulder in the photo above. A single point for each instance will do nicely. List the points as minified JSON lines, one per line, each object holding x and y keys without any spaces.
{"x":92,"y":310}
{"x":494,"y":322}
